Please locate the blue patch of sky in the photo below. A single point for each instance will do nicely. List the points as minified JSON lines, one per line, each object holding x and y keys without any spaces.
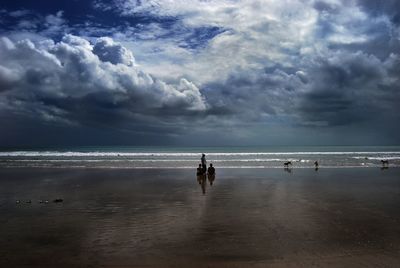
{"x":73,"y":10}
{"x":82,"y":18}
{"x":199,"y":37}
{"x":78,"y":15}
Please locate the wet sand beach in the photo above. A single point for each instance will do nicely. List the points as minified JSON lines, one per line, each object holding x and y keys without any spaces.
{"x":343,"y":217}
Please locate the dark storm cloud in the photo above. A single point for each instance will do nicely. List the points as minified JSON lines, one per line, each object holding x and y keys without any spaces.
{"x":253,"y":94}
{"x":341,"y":89}
{"x":74,"y":81}
{"x":350,"y":88}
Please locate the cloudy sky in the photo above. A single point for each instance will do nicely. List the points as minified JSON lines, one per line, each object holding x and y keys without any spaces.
{"x":199,"y":72}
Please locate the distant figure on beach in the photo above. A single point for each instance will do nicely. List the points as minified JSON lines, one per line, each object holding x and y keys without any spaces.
{"x":211,"y":174}
{"x":316,"y":165}
{"x":211,"y":170}
{"x":385,"y":163}
{"x":201,"y":176}
{"x":286,"y":164}
{"x":204,"y":163}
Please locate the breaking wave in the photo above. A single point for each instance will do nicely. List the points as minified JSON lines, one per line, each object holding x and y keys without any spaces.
{"x":190,"y":159}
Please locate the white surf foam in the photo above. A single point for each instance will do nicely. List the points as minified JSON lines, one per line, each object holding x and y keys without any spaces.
{"x":179,"y":154}
{"x":187,"y":167}
{"x":378,"y":158}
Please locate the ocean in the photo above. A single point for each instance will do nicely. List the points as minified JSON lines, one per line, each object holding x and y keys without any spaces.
{"x":189,"y":157}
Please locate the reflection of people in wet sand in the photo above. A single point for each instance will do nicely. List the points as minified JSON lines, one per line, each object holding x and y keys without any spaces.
{"x":201,"y":176}
{"x":201,"y":179}
{"x":203,"y":184}
{"x":211,"y":174}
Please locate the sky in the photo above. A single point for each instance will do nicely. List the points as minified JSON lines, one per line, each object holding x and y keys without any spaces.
{"x":199,"y":72}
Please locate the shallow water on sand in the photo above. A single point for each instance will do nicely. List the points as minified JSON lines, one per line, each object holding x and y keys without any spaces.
{"x":344,"y":217}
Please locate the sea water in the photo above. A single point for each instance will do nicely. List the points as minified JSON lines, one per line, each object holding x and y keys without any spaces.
{"x":189,"y":157}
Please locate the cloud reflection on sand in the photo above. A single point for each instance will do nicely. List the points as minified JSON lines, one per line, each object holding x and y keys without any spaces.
{"x":161,"y":217}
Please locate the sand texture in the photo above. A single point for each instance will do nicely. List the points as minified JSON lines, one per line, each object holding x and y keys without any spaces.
{"x":346,"y":217}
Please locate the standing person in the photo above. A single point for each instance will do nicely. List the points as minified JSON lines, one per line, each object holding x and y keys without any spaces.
{"x":204,"y":163}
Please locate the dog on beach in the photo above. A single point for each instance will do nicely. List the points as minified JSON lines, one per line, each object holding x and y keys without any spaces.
{"x":385,"y":162}
{"x":286,"y":164}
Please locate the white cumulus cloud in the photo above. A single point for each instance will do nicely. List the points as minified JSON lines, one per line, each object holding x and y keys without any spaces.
{"x":76,"y":74}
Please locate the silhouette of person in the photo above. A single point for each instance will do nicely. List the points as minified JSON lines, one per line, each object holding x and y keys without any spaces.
{"x":211,"y":174}
{"x":316,"y":165}
{"x":201,"y":176}
{"x":211,"y":170}
{"x":204,"y":163}
{"x":199,"y":170}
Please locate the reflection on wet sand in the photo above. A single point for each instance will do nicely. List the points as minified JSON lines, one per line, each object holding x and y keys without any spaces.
{"x":211,"y":179}
{"x":158,"y":218}
{"x":203,"y":173}
{"x":202,"y":180}
{"x":288,"y":169}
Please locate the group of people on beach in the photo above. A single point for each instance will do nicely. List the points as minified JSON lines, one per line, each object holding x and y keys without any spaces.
{"x":202,"y":169}
{"x":203,"y":173}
